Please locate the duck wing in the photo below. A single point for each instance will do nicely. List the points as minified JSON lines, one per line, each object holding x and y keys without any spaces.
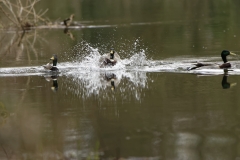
{"x":48,"y":66}
{"x":117,"y":57}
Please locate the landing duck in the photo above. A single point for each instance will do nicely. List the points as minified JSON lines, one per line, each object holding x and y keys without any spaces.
{"x":225,"y":65}
{"x":52,"y":67}
{"x":109,"y":59}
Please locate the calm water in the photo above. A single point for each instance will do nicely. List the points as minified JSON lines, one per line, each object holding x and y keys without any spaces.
{"x":152,"y":109}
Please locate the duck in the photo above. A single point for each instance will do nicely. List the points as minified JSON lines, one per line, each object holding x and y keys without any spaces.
{"x":52,"y":67}
{"x":225,"y":64}
{"x":109,"y":59}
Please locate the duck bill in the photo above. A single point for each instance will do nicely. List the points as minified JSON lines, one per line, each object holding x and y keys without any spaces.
{"x":232,"y":53}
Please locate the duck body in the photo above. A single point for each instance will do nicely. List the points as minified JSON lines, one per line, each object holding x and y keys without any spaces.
{"x":224,"y":55}
{"x":47,"y":66}
{"x":225,"y":64}
{"x":109,"y":62}
{"x":52,"y":67}
{"x":109,"y":59}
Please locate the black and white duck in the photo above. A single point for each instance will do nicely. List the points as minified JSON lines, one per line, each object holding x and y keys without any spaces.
{"x":225,"y":65}
{"x":52,"y":67}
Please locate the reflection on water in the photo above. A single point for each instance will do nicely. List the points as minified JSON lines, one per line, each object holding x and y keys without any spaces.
{"x":225,"y":83}
{"x":86,"y":118}
{"x":103,"y":84}
{"x":4,"y":114}
{"x":112,"y":79}
{"x":52,"y":77}
{"x":69,"y":33}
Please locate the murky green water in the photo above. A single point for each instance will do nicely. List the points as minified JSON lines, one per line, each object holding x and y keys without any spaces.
{"x":151,"y":114}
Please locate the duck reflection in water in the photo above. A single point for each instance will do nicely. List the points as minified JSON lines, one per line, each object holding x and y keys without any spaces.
{"x":225,"y":83}
{"x":111,"y":80}
{"x":4,"y":114}
{"x":52,"y":78}
{"x":69,"y":33}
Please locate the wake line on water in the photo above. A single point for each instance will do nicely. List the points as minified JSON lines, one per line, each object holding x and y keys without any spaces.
{"x":86,"y":61}
{"x":136,"y":63}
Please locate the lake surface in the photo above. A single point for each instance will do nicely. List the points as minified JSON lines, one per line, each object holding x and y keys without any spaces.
{"x":148,"y":106}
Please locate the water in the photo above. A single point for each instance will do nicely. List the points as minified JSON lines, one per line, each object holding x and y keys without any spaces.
{"x":148,"y":106}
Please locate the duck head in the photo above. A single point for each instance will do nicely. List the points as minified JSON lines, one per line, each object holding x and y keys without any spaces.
{"x":112,"y":53}
{"x":54,"y":59}
{"x":224,"y":55}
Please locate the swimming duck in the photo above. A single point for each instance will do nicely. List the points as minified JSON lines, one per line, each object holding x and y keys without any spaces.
{"x":224,"y":55}
{"x":109,"y":59}
{"x":225,"y":64}
{"x":53,"y":67}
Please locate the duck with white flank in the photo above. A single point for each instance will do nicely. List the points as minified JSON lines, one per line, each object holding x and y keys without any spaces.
{"x":225,"y":64}
{"x":109,"y":59}
{"x":52,"y":67}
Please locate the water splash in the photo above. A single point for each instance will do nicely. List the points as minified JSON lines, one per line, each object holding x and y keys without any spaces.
{"x":137,"y":60}
{"x":89,"y":79}
{"x":107,"y":84}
